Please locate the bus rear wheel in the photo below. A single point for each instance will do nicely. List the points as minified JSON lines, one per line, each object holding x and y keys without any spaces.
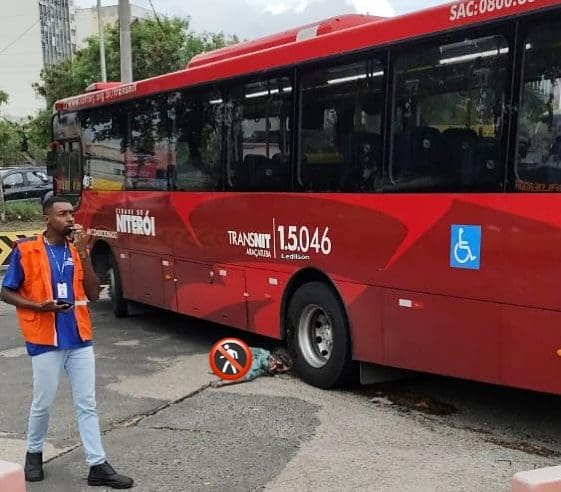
{"x":119,"y":303}
{"x":319,"y":336}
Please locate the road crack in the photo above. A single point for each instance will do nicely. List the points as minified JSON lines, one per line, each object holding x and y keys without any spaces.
{"x":136,"y":419}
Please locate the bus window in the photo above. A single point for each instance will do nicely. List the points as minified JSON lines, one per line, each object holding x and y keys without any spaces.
{"x":67,"y":177}
{"x":103,"y":147}
{"x":197,"y":150}
{"x":340,"y":120}
{"x":538,"y":159}
{"x":66,"y":164}
{"x":147,"y":155}
{"x":448,"y":116}
{"x":257,"y":123}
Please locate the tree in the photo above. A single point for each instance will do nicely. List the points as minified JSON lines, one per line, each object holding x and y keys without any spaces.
{"x":8,"y":135}
{"x":158,"y":46}
{"x":35,"y":132}
{"x":38,"y":132}
{"x":9,"y":142}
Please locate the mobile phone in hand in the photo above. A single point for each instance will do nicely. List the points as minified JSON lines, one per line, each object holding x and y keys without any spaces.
{"x":64,"y":304}
{"x":71,"y":235}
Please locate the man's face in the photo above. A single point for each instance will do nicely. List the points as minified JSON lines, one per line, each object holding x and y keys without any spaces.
{"x":60,"y":218}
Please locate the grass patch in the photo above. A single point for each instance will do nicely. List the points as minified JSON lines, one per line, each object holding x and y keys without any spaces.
{"x":23,"y":210}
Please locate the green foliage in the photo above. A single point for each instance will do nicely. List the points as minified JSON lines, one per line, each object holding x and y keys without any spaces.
{"x":38,"y":131}
{"x":158,"y":47}
{"x":10,"y":146}
{"x":23,"y":210}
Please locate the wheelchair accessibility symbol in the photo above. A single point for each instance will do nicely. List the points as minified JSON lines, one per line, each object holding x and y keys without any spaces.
{"x":465,"y":246}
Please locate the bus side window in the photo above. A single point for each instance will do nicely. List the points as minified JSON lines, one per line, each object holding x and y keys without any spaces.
{"x":103,"y":140}
{"x":538,"y":159}
{"x":258,"y":136}
{"x":196,"y":156}
{"x":147,"y":156}
{"x":340,"y":147}
{"x":447,"y":116}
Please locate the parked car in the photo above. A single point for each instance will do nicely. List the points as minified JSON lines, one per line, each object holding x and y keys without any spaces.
{"x":25,"y":182}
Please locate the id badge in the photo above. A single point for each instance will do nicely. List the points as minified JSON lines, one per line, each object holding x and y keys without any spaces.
{"x":62,"y":290}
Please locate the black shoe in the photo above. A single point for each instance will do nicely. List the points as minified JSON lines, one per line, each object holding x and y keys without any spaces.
{"x":105,"y":475}
{"x":34,"y":467}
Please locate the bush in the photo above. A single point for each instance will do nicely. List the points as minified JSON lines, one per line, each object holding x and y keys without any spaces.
{"x":23,"y":210}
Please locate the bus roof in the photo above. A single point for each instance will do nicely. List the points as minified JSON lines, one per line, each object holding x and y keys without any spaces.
{"x":332,"y":37}
{"x":308,"y":31}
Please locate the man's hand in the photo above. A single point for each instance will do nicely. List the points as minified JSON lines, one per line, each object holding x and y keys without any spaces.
{"x":80,"y":239}
{"x":52,"y":307}
{"x":12,"y":297}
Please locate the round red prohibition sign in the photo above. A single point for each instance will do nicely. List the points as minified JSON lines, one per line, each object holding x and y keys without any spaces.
{"x":230,"y":358}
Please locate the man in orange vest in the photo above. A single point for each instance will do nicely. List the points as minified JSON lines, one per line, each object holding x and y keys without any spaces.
{"x":50,"y":279}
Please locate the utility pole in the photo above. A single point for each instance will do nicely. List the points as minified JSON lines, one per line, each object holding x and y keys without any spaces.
{"x":2,"y":203}
{"x":125,"y":40}
{"x":100,"y":27}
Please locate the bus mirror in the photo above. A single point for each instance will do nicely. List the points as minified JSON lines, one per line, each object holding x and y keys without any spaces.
{"x":51,"y":162}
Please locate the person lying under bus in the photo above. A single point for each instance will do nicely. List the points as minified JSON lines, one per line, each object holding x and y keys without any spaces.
{"x":264,"y":363}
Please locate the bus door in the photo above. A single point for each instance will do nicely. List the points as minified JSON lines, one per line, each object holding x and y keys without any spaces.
{"x":64,"y":165}
{"x":64,"y":162}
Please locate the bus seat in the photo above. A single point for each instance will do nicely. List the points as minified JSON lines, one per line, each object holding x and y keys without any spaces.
{"x":418,"y":152}
{"x":254,"y":172}
{"x":401,"y":155}
{"x":365,"y":161}
{"x":489,"y":164}
{"x":263,"y":174}
{"x":428,"y":149}
{"x":461,"y":149}
{"x":280,"y":164}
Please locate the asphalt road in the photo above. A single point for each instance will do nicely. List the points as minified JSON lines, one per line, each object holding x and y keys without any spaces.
{"x":164,"y":426}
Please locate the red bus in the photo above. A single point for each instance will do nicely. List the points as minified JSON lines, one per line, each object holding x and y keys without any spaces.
{"x":372,"y":190}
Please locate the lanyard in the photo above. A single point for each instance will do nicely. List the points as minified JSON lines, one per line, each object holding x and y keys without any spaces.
{"x":59,"y":268}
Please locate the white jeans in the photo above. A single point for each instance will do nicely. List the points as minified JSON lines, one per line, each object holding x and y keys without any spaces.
{"x":79,"y":365}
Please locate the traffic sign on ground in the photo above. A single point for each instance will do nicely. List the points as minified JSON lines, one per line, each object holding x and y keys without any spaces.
{"x":230,"y":358}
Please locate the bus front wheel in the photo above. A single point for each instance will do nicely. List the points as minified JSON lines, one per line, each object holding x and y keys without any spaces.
{"x":319,"y":336}
{"x":119,"y":303}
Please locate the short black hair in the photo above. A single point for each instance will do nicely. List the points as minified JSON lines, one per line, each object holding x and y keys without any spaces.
{"x":283,"y":356}
{"x":49,"y":202}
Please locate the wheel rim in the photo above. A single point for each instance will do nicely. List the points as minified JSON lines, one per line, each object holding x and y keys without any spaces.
{"x":315,"y":336}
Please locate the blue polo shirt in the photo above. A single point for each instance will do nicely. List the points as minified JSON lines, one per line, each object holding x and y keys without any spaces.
{"x":62,"y":270}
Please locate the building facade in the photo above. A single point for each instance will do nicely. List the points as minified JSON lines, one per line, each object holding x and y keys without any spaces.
{"x":87,"y":20}
{"x":58,"y":30}
{"x":33,"y":34}
{"x":39,"y":33}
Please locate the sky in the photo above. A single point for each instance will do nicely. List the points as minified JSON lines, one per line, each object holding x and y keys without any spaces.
{"x":250,"y":19}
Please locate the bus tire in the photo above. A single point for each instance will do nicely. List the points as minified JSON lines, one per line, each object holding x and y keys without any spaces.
{"x":319,"y":336}
{"x":119,"y":303}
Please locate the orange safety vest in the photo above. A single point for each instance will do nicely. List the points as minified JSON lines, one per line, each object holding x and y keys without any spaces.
{"x":38,"y":327}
